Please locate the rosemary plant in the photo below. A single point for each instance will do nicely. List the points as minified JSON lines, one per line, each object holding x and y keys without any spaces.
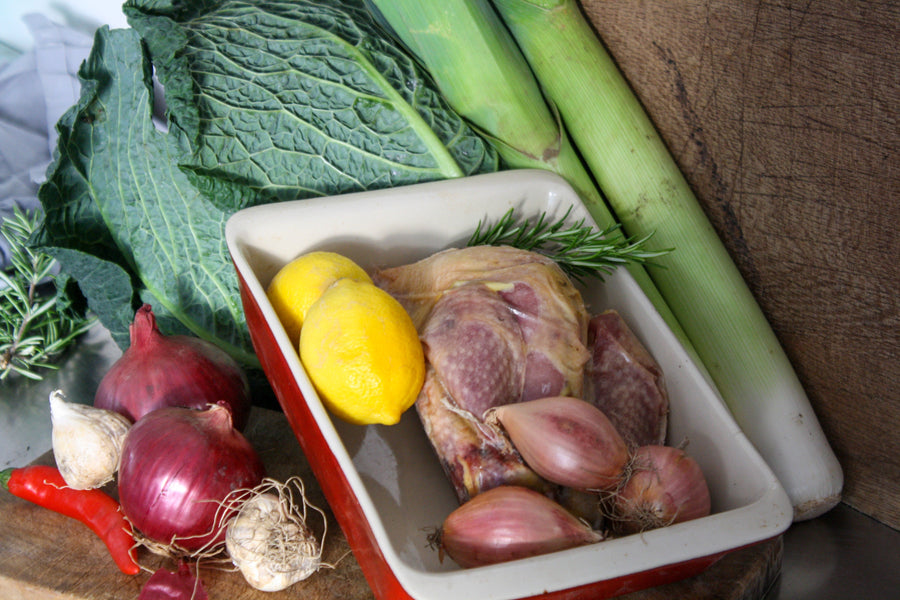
{"x":37,"y":323}
{"x":579,"y":249}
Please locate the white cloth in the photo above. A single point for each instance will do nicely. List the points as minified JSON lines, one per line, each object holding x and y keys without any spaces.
{"x":36,"y":88}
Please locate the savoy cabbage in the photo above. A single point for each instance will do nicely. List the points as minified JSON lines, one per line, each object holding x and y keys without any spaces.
{"x":265,"y":101}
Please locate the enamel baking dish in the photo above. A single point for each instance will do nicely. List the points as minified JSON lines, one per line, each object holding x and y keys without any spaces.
{"x":385,"y":484}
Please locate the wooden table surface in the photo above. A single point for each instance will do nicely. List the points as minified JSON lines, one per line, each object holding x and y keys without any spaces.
{"x":784,"y":118}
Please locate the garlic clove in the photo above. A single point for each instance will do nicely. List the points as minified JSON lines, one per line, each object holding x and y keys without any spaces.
{"x":87,"y":441}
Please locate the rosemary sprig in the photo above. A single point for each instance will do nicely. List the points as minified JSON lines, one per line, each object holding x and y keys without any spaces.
{"x":580,"y":250}
{"x":36,"y":323}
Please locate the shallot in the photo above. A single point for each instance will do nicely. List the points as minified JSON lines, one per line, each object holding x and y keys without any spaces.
{"x":178,"y":370}
{"x":87,"y":441}
{"x":269,"y":539}
{"x":177,"y":466}
{"x":507,"y":523}
{"x":664,"y":486}
{"x":565,"y":440}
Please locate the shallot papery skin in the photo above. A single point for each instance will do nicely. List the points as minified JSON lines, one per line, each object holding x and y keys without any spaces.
{"x":665,"y":486}
{"x":177,"y":467}
{"x":510,"y":522}
{"x":566,"y":440}
{"x":177,"y":370}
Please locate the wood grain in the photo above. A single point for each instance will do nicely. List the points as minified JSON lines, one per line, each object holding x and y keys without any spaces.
{"x":784,"y":118}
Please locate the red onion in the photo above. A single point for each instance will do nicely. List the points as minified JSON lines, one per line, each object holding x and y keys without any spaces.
{"x":178,"y":370}
{"x":664,"y":486}
{"x":507,"y":523}
{"x":177,"y":585}
{"x":177,"y":467}
{"x":565,"y":440}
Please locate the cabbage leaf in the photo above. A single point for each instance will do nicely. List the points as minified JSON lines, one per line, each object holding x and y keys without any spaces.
{"x":264,"y":102}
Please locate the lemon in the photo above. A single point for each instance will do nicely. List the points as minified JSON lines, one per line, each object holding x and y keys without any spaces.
{"x":300,"y":283}
{"x":362,"y":353}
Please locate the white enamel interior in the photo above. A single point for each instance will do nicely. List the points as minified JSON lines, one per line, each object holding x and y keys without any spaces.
{"x":393,"y":471}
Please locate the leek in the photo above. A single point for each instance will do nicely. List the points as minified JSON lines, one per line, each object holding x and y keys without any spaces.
{"x":480,"y":71}
{"x":648,"y":193}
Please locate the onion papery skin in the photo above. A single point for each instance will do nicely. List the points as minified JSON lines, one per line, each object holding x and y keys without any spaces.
{"x":178,"y":465}
{"x":178,"y":370}
{"x":664,"y":486}
{"x":566,"y":440}
{"x":508,"y":523}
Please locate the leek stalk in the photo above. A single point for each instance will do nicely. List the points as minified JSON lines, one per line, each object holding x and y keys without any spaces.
{"x":648,"y":193}
{"x":485,"y":78}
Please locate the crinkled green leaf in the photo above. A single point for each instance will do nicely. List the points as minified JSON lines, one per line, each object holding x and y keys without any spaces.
{"x":158,"y":227}
{"x":265,"y":101}
{"x":300,"y":99}
{"x":74,"y":233}
{"x":109,"y":285}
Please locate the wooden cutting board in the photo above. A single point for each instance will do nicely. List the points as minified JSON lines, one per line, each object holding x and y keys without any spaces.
{"x":45,"y":556}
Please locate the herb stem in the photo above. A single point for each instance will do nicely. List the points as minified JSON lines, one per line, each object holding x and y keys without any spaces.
{"x":35,"y":325}
{"x":581,"y":250}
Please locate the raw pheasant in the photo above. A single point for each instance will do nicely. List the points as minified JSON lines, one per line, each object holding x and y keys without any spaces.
{"x":502,"y":325}
{"x":499,"y":325}
{"x":626,"y":382}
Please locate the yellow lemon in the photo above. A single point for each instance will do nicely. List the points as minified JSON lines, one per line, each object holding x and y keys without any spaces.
{"x":362,"y":353}
{"x":298,"y":284}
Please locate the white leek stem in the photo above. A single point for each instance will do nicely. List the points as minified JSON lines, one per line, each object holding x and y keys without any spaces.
{"x":700,"y":282}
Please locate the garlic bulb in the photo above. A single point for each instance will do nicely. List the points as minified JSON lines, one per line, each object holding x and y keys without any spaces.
{"x":87,"y":441}
{"x":269,"y":540}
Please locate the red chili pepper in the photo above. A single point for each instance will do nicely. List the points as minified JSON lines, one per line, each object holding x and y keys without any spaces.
{"x":45,"y":486}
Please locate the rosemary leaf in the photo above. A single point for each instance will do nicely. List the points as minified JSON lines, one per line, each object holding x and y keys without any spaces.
{"x":580,"y":250}
{"x":36,"y":325}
